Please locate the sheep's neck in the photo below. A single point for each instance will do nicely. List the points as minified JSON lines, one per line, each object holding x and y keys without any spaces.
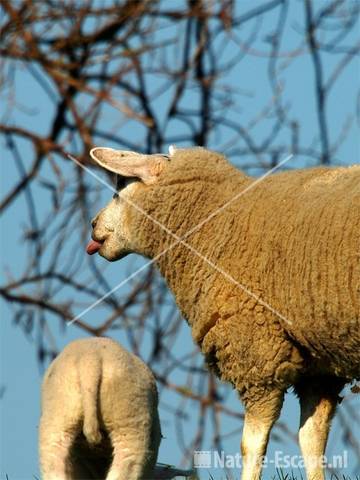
{"x":190,"y":263}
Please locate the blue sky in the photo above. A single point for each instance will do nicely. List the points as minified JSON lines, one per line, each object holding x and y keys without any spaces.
{"x":20,"y":372}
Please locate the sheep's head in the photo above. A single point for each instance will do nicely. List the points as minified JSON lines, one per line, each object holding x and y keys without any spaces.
{"x":111,"y":235}
{"x":167,"y":188}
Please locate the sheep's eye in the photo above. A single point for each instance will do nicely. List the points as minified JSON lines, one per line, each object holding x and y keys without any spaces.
{"x":122,"y":182}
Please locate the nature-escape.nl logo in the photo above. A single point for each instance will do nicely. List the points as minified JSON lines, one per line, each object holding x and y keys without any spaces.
{"x":216,"y":459}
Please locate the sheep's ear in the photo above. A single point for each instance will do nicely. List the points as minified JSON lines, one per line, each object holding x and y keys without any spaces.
{"x":130,"y":164}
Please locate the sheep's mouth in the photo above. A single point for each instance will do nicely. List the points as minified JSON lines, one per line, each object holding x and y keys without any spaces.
{"x":93,"y":247}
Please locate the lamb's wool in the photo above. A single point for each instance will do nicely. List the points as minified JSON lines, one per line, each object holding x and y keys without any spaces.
{"x":98,"y":401}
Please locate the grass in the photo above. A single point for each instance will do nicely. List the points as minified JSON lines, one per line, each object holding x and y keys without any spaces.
{"x":286,"y":476}
{"x":279,"y":476}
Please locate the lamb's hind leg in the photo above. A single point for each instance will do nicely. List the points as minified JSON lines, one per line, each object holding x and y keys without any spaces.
{"x":54,"y":454}
{"x":260,"y":416}
{"x":131,"y":458}
{"x":318,"y":398}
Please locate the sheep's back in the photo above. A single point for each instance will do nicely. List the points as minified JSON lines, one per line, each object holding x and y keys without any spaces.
{"x":305,"y":259}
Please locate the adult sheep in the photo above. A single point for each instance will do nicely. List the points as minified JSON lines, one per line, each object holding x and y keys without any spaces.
{"x":268,"y":279}
{"x":99,"y":416}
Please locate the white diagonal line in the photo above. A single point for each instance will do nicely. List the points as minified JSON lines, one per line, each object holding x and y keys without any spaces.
{"x":181,"y":240}
{"x":123,"y":282}
{"x":238,"y":284}
{"x":99,"y":300}
{"x":200,"y":255}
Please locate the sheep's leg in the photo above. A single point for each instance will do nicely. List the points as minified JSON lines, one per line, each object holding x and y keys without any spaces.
{"x":318,"y":399}
{"x":54,"y":455}
{"x":130,"y":459}
{"x":259,"y":418}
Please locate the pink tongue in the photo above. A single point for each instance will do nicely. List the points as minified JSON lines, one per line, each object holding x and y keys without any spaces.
{"x":93,"y":247}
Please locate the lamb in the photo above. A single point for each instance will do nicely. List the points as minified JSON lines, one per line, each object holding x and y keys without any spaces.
{"x":99,"y":416}
{"x":268,"y":279}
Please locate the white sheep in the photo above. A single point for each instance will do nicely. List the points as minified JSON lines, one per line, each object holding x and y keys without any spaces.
{"x":266,"y":273}
{"x":99,"y":416}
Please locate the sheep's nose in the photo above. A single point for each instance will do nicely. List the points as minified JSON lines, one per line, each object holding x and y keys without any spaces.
{"x":94,"y":222}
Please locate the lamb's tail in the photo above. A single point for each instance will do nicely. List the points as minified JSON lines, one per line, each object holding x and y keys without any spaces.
{"x":90,"y":376}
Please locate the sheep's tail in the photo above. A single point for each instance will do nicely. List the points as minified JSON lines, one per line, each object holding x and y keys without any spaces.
{"x":90,"y":376}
